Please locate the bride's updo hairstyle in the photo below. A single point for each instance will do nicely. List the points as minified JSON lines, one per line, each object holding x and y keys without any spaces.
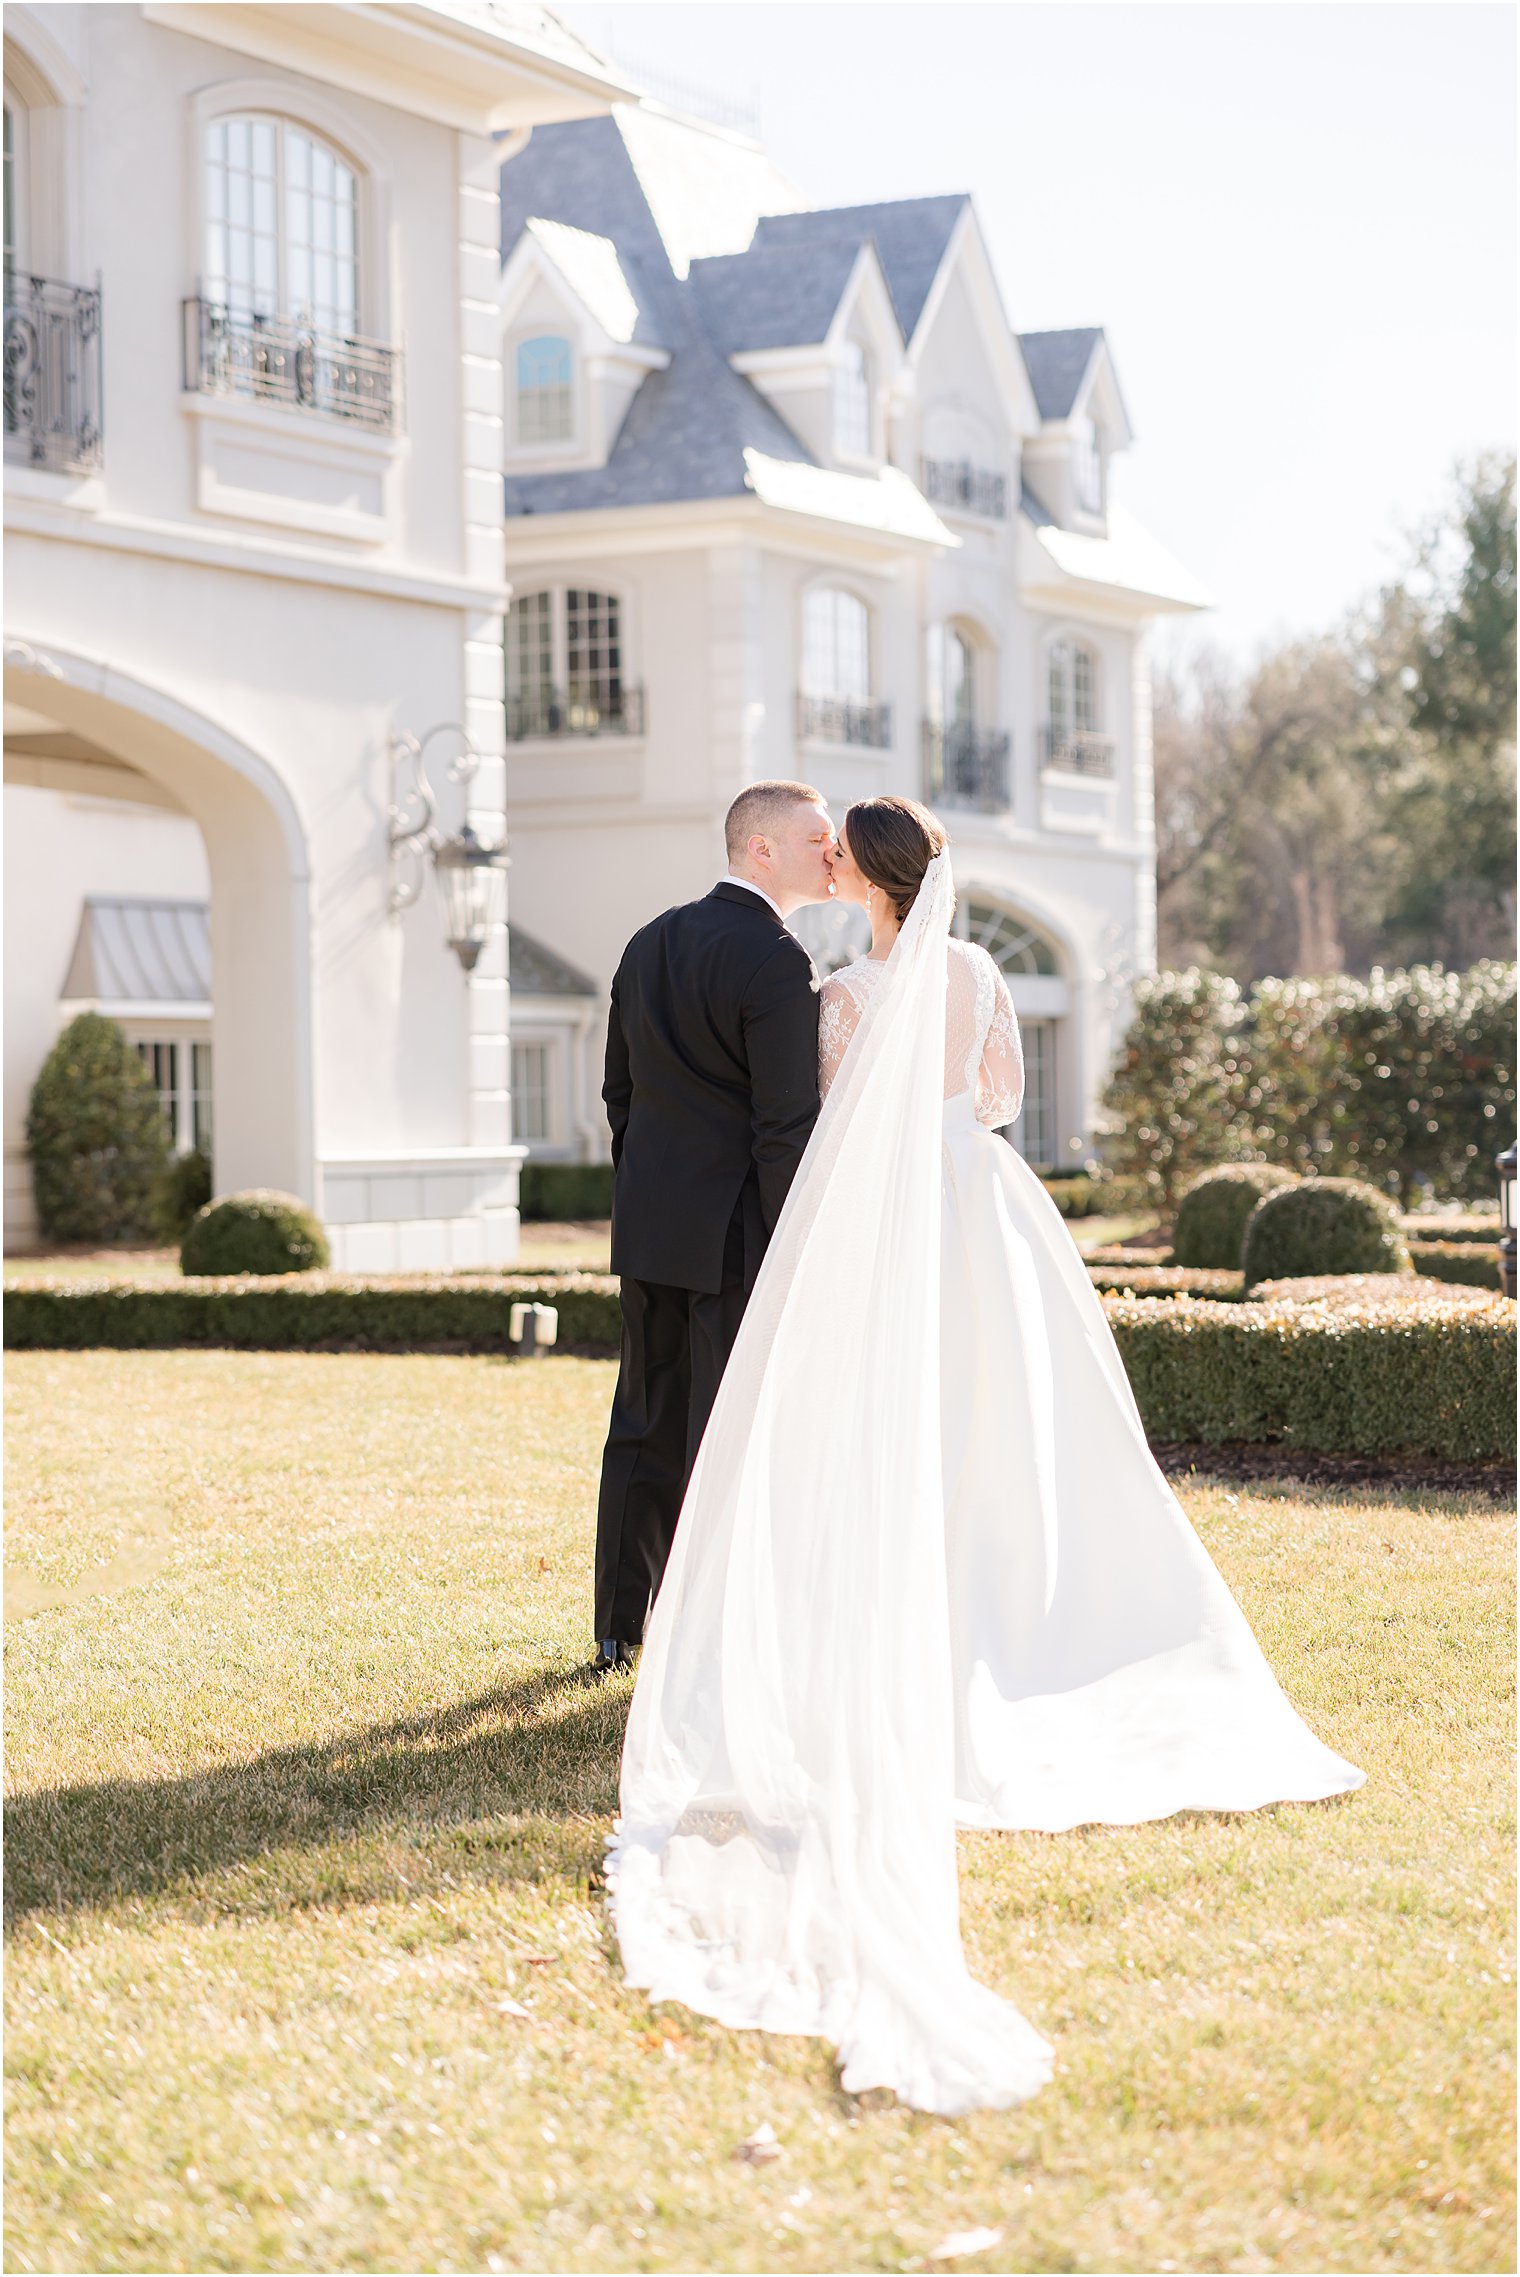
{"x":893,"y":842}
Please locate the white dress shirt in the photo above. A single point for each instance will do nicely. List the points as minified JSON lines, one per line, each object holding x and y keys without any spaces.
{"x":750,"y":886}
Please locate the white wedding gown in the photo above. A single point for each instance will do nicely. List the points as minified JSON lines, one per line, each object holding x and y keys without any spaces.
{"x":927,"y":1569}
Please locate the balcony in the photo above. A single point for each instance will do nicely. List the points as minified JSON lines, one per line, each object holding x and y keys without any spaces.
{"x":1076,"y":751}
{"x":836,"y":719}
{"x":277,"y":360}
{"x":583,"y":711}
{"x":52,"y":375}
{"x":967,"y":766}
{"x":966,"y":488}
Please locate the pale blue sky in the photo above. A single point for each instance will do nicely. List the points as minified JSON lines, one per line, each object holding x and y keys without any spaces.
{"x":1296,"y":221}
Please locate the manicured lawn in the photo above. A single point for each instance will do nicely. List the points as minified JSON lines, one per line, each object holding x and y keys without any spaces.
{"x":307,"y":1964}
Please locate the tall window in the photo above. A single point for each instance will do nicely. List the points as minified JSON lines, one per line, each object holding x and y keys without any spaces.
{"x":531,"y":1118}
{"x":1073,"y":688}
{"x":852,"y":401}
{"x":15,"y":166}
{"x":545,"y":407}
{"x":836,"y":645}
{"x":1016,"y":948}
{"x":200,"y":1097}
{"x":1034,"y":1134}
{"x":565,"y":664}
{"x":282,"y":226}
{"x":952,"y":677}
{"x":162,"y":1062}
{"x":1088,"y":465}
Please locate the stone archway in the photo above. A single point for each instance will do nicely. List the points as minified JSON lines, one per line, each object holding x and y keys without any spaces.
{"x":260,"y":897}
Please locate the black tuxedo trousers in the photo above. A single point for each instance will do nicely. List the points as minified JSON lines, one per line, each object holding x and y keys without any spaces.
{"x":712,"y":1094}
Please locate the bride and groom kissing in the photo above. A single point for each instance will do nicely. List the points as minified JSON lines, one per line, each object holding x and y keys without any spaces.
{"x":874,"y":1457}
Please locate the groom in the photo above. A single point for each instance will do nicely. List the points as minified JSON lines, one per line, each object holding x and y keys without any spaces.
{"x":712,"y":1092}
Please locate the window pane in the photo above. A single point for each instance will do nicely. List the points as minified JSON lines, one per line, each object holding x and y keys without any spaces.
{"x":836,"y":646}
{"x":530,"y":1091}
{"x":594,"y":657}
{"x":1084,"y":688}
{"x":200,"y":1096}
{"x":852,"y":401}
{"x":545,"y":407}
{"x":1060,"y":674}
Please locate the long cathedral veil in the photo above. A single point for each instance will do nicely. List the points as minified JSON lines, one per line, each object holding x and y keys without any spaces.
{"x":785,"y":1854}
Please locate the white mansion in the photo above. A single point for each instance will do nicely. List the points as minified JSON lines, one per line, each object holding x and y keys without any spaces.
{"x":287,"y":290}
{"x":787,"y":496}
{"x":253,"y":465}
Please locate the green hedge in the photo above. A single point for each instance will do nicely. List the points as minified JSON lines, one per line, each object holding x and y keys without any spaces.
{"x":1472,"y":1225}
{"x":1369,"y":1380}
{"x":1076,"y":1195}
{"x":307,"y":1312}
{"x":1323,"y":1225}
{"x":561,"y":1193}
{"x":1397,"y":1366}
{"x":1210,"y":1226}
{"x":1113,"y":1253}
{"x":1460,"y":1261}
{"x":1168,"y":1280}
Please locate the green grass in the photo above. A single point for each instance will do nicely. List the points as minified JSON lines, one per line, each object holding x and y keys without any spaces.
{"x":308,"y":1965}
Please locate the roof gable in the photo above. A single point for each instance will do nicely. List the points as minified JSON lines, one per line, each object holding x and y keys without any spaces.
{"x":1058,"y":365}
{"x":911,"y":236}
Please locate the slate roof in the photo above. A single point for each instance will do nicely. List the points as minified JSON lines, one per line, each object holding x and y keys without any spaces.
{"x":773,"y":296}
{"x":910,"y":236}
{"x":131,"y":951}
{"x":1058,"y":364}
{"x":688,"y":427}
{"x":537,"y":971}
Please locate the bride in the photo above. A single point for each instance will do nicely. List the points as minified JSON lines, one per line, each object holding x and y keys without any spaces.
{"x":927,"y":1569}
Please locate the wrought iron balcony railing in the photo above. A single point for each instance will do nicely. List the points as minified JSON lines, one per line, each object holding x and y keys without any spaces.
{"x":835,"y":719}
{"x":956,"y":482}
{"x":280,"y":360}
{"x":1076,"y":750}
{"x":578,"y":711}
{"x":965,"y":765}
{"x":52,"y":374}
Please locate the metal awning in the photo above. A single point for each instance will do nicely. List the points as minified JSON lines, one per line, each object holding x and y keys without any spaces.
{"x":149,"y":956}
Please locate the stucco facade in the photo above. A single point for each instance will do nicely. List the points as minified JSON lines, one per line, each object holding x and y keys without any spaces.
{"x":249,"y":547}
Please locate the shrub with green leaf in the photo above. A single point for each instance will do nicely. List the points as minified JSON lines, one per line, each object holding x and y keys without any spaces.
{"x":1211,"y":1216}
{"x":95,"y":1137}
{"x":256,"y":1232}
{"x":1462,"y":1263}
{"x":564,"y":1192}
{"x":1323,"y":1225}
{"x":1173,"y":1100}
{"x":184,"y":1188}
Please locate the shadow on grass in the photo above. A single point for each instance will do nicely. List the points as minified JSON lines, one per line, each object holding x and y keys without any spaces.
{"x":517,"y":1778}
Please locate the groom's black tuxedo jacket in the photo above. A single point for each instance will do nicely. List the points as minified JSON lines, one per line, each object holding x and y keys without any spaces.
{"x":712,"y":1086}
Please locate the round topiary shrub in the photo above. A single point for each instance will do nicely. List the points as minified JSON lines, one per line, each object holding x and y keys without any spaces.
{"x":257,"y":1232}
{"x":1212,"y":1214}
{"x":1323,"y":1225}
{"x":96,"y":1138}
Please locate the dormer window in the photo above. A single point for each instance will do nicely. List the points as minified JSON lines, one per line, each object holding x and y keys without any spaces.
{"x":1087,"y":465}
{"x":545,"y":403}
{"x":852,"y":402}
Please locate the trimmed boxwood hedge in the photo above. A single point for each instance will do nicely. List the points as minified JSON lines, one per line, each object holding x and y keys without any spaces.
{"x":308,"y":1312}
{"x":1367,"y":1380}
{"x":1375,"y":1293}
{"x":1168,"y":1281}
{"x":1382,"y":1371}
{"x":1323,"y":1225}
{"x":563,"y":1193}
{"x":1210,"y":1227}
{"x":1461,"y":1261}
{"x":1434,"y":1225}
{"x":1113,"y":1253}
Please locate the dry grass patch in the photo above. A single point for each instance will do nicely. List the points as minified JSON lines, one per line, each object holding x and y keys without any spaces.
{"x":307,"y":1959}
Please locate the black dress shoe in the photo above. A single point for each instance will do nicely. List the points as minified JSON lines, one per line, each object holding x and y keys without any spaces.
{"x":612,"y":1653}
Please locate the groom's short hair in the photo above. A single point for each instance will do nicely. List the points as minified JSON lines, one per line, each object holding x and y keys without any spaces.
{"x":758,"y":811}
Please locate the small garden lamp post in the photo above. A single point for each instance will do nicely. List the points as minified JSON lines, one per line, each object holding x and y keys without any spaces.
{"x":1506,"y":1170}
{"x":472,"y":881}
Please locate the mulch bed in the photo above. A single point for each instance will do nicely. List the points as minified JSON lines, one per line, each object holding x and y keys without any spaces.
{"x":1303,"y":1467}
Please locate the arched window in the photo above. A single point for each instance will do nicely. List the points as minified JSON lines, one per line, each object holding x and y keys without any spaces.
{"x":565,"y":666}
{"x":1014,"y":946}
{"x":954,"y":697}
{"x":836,"y":645}
{"x":852,"y":402}
{"x":545,"y":406}
{"x":282,"y":226}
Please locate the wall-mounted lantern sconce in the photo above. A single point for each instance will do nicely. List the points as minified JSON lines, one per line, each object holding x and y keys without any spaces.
{"x":471,"y":876}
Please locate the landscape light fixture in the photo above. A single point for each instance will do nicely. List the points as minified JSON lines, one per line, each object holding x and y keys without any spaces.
{"x":1505,"y":1165}
{"x":471,"y":876}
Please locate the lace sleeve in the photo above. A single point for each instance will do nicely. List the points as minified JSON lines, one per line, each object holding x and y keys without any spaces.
{"x":1000,"y":1078}
{"x":838,"y":1018}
